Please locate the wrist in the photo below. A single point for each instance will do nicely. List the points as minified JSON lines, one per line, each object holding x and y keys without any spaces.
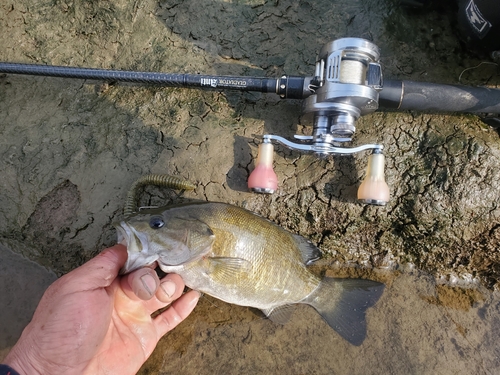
{"x":7,"y":370}
{"x":22,"y":366}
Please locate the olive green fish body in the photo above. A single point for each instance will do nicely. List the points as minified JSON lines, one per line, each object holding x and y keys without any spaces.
{"x":253,"y":262}
{"x":239,"y":257}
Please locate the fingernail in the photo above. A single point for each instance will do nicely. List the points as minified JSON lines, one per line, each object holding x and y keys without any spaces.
{"x":168,"y":288}
{"x":195,"y":300}
{"x":149,"y":283}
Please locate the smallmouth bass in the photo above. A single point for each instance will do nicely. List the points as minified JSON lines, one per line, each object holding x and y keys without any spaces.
{"x":239,"y":257}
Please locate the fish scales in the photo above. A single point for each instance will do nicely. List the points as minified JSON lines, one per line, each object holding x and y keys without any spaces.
{"x":239,"y":257}
{"x":277,"y":273}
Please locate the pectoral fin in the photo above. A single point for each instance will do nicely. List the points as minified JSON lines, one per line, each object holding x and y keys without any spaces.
{"x":227,"y":268}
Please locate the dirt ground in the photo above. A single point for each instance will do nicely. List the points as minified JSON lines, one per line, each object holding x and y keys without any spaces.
{"x":70,"y":149}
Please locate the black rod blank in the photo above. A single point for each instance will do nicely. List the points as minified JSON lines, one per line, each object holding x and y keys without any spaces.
{"x":163,"y":79}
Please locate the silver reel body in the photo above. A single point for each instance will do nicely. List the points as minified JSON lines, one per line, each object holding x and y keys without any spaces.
{"x":345,"y":86}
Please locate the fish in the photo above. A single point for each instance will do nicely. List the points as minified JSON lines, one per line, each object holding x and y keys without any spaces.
{"x":239,"y":257}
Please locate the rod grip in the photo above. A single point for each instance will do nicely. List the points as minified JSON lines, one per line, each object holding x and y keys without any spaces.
{"x":435,"y":97}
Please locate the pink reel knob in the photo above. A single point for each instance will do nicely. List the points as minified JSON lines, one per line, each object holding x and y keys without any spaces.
{"x":263,"y":179}
{"x":374,"y":189}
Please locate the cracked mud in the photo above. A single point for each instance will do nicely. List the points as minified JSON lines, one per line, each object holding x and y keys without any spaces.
{"x":70,"y":150}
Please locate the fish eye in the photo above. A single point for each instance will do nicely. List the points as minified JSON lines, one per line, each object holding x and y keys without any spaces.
{"x":156,"y":222}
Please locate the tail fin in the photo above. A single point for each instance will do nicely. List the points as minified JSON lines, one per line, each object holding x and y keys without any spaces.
{"x":343,"y":303}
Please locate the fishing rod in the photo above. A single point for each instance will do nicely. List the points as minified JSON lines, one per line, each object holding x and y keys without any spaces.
{"x":347,"y":84}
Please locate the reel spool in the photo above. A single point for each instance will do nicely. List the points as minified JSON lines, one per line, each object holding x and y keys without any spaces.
{"x":348,"y":78}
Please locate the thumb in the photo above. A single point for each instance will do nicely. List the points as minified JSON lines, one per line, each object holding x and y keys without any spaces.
{"x":100,"y":271}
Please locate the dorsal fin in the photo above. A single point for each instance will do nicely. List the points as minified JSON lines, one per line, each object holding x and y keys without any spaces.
{"x":310,"y":253}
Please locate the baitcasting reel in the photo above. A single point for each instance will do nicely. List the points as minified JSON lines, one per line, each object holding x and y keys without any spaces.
{"x":345,"y":86}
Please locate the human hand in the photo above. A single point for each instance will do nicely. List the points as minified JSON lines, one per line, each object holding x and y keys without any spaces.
{"x":92,"y":321}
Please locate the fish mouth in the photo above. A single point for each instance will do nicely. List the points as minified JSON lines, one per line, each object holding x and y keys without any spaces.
{"x":137,"y":244}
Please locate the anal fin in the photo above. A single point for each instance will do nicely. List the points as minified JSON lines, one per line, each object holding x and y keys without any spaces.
{"x":280,"y":314}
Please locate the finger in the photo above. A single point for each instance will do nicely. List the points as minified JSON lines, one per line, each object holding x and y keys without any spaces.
{"x":176,"y":313}
{"x":171,"y":288}
{"x":143,"y":283}
{"x":99,"y":272}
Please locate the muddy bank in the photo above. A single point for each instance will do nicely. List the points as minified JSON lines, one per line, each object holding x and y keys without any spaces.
{"x":415,"y":328}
